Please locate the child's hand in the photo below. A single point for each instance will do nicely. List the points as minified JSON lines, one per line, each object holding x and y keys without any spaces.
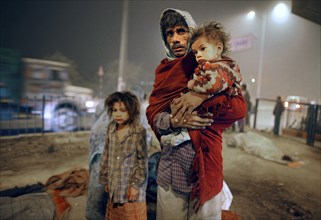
{"x":132,"y":194}
{"x":106,"y":188}
{"x":190,"y":84}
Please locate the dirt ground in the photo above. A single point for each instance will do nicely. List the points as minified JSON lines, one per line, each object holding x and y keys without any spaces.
{"x":262,"y":189}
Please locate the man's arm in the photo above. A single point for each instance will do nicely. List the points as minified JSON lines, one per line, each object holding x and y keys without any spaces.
{"x":166,"y":124}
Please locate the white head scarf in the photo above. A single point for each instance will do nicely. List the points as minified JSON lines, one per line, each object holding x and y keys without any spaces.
{"x":190,"y":23}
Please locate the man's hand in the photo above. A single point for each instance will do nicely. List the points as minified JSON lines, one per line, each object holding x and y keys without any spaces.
{"x":132,"y":194}
{"x":182,"y":107}
{"x":193,"y":122}
{"x":190,"y":84}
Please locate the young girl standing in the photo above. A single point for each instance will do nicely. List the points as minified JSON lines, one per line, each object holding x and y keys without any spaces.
{"x":123,"y":167}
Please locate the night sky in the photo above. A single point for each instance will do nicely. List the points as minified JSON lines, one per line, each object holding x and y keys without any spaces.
{"x":88,"y":32}
{"x":85,"y":32}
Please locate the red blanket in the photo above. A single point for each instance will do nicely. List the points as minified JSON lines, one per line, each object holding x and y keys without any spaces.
{"x":170,"y":81}
{"x":171,"y":78}
{"x":207,"y":167}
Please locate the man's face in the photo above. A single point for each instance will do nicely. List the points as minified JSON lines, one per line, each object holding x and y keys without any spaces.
{"x":177,"y":38}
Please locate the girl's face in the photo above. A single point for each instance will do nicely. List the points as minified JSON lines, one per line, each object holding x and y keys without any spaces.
{"x":120,"y":113}
{"x":206,"y":51}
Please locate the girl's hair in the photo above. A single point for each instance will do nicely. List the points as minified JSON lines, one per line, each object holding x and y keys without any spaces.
{"x":130,"y":101}
{"x":214,"y":32}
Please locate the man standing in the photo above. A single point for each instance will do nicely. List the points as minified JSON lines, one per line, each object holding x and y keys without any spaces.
{"x":247,"y":99}
{"x":186,"y":188}
{"x":277,"y":112}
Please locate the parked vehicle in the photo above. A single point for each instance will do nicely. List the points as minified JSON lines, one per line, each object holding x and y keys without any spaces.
{"x":42,"y":87}
{"x":294,"y":102}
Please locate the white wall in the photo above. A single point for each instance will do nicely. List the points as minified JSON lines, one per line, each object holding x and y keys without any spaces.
{"x":291,"y":58}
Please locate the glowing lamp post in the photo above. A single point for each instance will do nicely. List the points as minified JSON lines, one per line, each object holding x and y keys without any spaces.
{"x":280,"y":14}
{"x":101,"y":81}
{"x":123,"y":47}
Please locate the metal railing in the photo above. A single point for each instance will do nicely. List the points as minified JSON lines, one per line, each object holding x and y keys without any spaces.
{"x":301,"y":120}
{"x":33,"y":117}
{"x":44,"y":114}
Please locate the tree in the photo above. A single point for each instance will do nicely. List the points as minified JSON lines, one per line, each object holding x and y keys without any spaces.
{"x":74,"y":76}
{"x":133,"y":75}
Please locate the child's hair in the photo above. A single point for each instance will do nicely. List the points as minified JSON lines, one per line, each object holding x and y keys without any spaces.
{"x":170,"y":19}
{"x":214,"y":31}
{"x":130,"y":101}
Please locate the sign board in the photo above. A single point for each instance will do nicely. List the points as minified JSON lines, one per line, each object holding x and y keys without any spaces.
{"x":242,"y":43}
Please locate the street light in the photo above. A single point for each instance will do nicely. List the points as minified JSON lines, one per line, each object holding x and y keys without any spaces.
{"x":101,"y":81}
{"x":280,"y":14}
{"x":251,"y":15}
{"x":123,"y":47}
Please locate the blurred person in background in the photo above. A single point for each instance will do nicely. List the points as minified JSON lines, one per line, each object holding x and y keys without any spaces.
{"x":97,"y":198}
{"x":247,"y":99}
{"x":277,"y":112}
{"x":245,"y":121}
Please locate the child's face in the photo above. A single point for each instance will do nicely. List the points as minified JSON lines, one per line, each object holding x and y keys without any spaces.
{"x":120,"y":113}
{"x":206,"y":51}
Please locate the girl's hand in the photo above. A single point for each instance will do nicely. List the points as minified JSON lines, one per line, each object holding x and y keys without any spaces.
{"x":132,"y":194}
{"x":106,"y":188}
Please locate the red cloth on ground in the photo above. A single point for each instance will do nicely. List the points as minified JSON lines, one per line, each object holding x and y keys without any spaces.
{"x":71,"y":183}
{"x":171,"y":79}
{"x":62,"y":205}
